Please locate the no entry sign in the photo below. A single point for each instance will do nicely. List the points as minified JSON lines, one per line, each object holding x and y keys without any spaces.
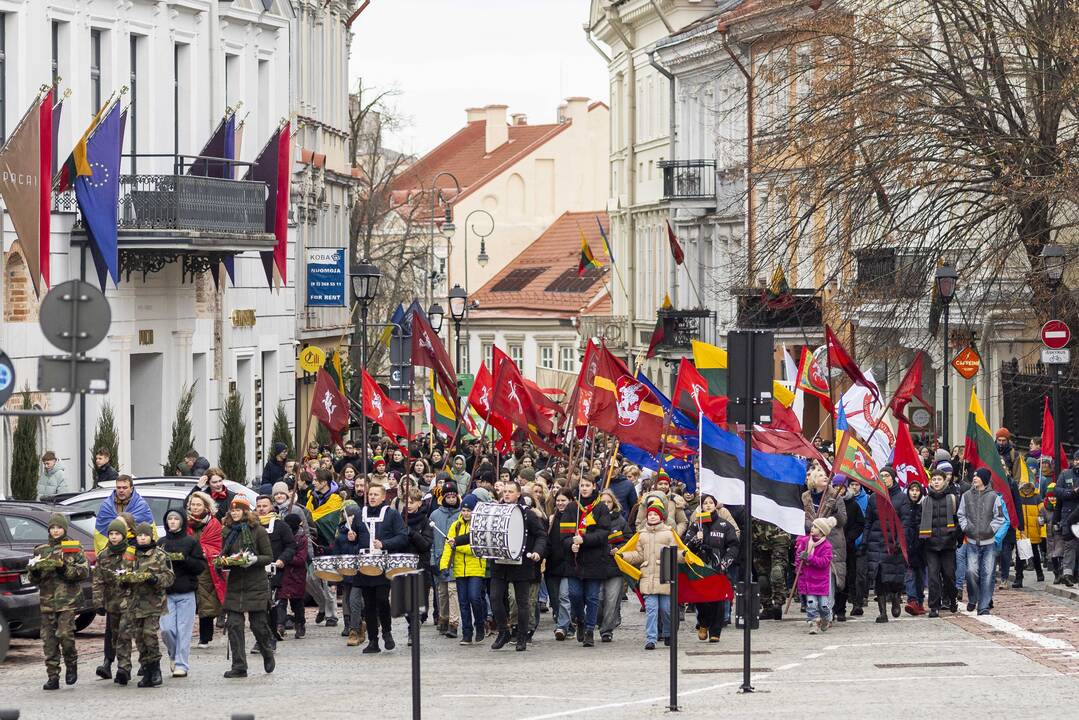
{"x":1056,"y":334}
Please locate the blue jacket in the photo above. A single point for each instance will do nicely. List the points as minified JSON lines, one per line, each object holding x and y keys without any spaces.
{"x":625,"y":493}
{"x":442,"y":517}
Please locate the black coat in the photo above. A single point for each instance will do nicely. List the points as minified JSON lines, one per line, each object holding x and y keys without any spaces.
{"x":892,"y":568}
{"x":855,"y":526}
{"x":718,"y":547}
{"x":192,"y":562}
{"x":535,"y":542}
{"x":420,"y":536}
{"x":273,"y":472}
{"x":556,"y":554}
{"x":105,"y":474}
{"x":391,"y":532}
{"x":590,"y":561}
{"x":283,"y":547}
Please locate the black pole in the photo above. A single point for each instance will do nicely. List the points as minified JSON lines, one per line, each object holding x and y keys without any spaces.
{"x":675,"y":614}
{"x":416,"y":588}
{"x":457,"y":341}
{"x":82,"y":399}
{"x":748,"y":606}
{"x":947,"y":386}
{"x":363,"y":362}
{"x":1053,"y":412}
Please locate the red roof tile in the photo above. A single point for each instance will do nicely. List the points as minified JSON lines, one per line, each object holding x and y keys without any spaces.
{"x":552,"y":257}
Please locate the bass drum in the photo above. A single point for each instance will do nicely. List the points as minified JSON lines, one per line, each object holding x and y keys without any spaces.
{"x":497,"y":532}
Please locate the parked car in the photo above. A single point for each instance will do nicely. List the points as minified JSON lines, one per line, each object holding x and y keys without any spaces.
{"x":20,"y":605}
{"x":25,"y":525}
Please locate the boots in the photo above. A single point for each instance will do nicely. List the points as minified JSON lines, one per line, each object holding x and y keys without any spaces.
{"x":372,"y":647}
{"x":344,"y":630}
{"x":301,"y":630}
{"x":589,"y":639}
{"x":882,"y":606}
{"x":896,"y":610}
{"x":451,"y":630}
{"x":71,"y":675}
{"x":387,"y":640}
{"x":53,"y":683}
{"x":104,"y":671}
{"x":151,"y":676}
{"x":522,"y":643}
{"x":122,"y":676}
{"x":353,"y":639}
{"x":362,"y":633}
{"x":501,"y":640}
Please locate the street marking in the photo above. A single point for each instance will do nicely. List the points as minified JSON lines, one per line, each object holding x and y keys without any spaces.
{"x":908,"y":642}
{"x":813,"y":656}
{"x":505,"y":697}
{"x":627,"y":703}
{"x":788,"y":666}
{"x":1009,"y":676}
{"x":1014,"y":630}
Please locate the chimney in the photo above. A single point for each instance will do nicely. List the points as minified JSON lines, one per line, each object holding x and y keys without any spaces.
{"x":519,"y":119}
{"x":475,"y":114}
{"x":498,"y":133}
{"x":576,"y":110}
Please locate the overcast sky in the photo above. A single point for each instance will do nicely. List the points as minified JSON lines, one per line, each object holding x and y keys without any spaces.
{"x":445,"y":55}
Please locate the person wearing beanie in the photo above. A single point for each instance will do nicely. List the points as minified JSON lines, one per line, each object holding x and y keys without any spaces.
{"x":58,"y":567}
{"x":148,"y":572}
{"x":886,"y":565}
{"x":1067,"y":503}
{"x":447,"y":609}
{"x":938,"y":534}
{"x":1029,"y":508}
{"x":822,"y":500}
{"x":941,"y":455}
{"x":643,"y":552}
{"x":984,"y":521}
{"x":1054,"y":542}
{"x":109,"y":599}
{"x":274,"y":470}
{"x":1009,"y":455}
{"x":290,"y":595}
{"x":469,"y":572}
{"x":283,"y":548}
{"x":674,"y":505}
{"x":812,"y":567}
{"x":713,"y":538}
{"x":247,"y":589}
{"x":915,"y":581}
{"x":188,"y":564}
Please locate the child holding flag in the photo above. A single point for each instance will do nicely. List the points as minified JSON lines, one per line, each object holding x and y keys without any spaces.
{"x":645,"y":555}
{"x":813,"y":567}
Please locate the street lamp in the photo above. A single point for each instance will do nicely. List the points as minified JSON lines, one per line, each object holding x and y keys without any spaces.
{"x":482,"y":258}
{"x":435,"y":313}
{"x":1053,"y":259}
{"x":946,"y":278}
{"x":365,"y":279}
{"x":448,"y":227}
{"x":458,"y":302}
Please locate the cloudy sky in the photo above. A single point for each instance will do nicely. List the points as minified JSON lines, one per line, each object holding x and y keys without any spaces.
{"x":442,"y":56}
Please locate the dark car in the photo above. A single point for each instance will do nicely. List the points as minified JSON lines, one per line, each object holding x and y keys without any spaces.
{"x":20,"y":611}
{"x":25,"y":525}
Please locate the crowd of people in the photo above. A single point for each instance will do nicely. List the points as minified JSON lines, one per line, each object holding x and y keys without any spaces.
{"x":594,"y":530}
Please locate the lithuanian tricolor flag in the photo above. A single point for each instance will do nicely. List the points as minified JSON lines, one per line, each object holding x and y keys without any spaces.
{"x":697,"y":581}
{"x":711,"y":363}
{"x":588,"y":260}
{"x":981,"y":452}
{"x":443,"y":416}
{"x":326,"y":517}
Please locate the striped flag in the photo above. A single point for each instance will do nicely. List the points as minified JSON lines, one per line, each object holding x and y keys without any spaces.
{"x":606,"y":240}
{"x":587,"y":260}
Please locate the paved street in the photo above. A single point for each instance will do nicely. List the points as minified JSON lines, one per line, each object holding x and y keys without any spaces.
{"x":907,"y":668}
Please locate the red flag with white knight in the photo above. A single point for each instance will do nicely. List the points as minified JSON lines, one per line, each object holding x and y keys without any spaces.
{"x":329,"y":406}
{"x":580,"y":401}
{"x":691,"y":395}
{"x":906,"y":461}
{"x":428,"y":351}
{"x":623,"y":406}
{"x":481,"y":398}
{"x":839,"y":357}
{"x":511,"y":398}
{"x":813,"y":381}
{"x":379,"y":409}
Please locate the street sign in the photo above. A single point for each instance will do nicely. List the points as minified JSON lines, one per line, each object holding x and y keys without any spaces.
{"x":312,"y":358}
{"x":1056,"y":334}
{"x":1056,"y":356}
{"x":967,"y":362}
{"x":58,"y":310}
{"x":91,"y":374}
{"x":7,"y":378}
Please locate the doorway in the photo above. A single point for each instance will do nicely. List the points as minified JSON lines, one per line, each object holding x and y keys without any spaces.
{"x":147,"y":423}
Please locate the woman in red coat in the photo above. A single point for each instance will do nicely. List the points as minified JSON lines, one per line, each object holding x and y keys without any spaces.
{"x":203,"y":524}
{"x":294,"y":584}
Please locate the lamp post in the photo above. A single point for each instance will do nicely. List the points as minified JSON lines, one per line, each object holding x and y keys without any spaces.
{"x":448,"y":227}
{"x":458,"y":306}
{"x":435,"y":315}
{"x":946,"y":278}
{"x":365,"y":277}
{"x":482,"y":258}
{"x":1053,"y":260}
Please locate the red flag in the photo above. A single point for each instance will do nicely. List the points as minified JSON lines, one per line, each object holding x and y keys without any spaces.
{"x":580,"y":401}
{"x":624,"y":407}
{"x":379,"y":408}
{"x":1051,"y":447}
{"x":691,"y":395}
{"x":909,"y":387}
{"x":511,"y":397}
{"x":428,"y":351}
{"x":660,"y":333}
{"x":906,"y":461}
{"x":783,"y":442}
{"x":542,"y":403}
{"x":838,"y":356}
{"x":676,"y":248}
{"x":480,"y":399}
{"x":812,"y":380}
{"x":329,"y":406}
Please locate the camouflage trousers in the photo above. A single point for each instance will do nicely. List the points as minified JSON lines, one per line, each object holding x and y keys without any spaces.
{"x":58,"y":633}
{"x":770,"y":567}
{"x":144,"y":632}
{"x":118,"y":626}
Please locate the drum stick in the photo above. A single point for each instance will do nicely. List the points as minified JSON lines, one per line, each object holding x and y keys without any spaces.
{"x":438,"y":530}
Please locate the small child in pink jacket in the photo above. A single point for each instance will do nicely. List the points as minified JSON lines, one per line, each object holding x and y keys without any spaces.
{"x":813,"y":565}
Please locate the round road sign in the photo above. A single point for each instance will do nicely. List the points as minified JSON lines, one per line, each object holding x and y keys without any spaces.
{"x":93,"y":321}
{"x":7,"y":378}
{"x":1056,"y":334}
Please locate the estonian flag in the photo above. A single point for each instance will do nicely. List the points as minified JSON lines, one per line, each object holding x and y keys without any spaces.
{"x":776,"y":484}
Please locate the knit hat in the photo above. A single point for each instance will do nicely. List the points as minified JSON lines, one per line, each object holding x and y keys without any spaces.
{"x":657,"y":506}
{"x":293,"y":522}
{"x":449,"y":487}
{"x":941,"y":454}
{"x":240,"y":501}
{"x":985,"y":475}
{"x":945,"y":467}
{"x":888,"y":469}
{"x":483,"y":495}
{"x":117,"y":525}
{"x":279,"y":487}
{"x":378,"y":460}
{"x":58,"y":520}
{"x":1003,"y":433}
{"x":662,"y":476}
{"x":824,"y":525}
{"x":144,"y":528}
{"x":470,"y":501}
{"x":278,"y":448}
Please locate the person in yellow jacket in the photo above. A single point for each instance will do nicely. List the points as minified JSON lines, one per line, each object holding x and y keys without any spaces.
{"x":469,"y":572}
{"x":1031,"y":528}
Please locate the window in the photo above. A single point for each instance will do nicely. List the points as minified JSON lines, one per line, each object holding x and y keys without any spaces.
{"x":133,"y":108}
{"x":517,"y":354}
{"x":568,"y":359}
{"x":805,"y":74}
{"x":3,"y":77}
{"x":55,"y":51}
{"x":95,"y":72}
{"x":232,"y":79}
{"x":466,"y":366}
{"x":547,"y":356}
{"x":25,"y":530}
{"x":488,"y":352}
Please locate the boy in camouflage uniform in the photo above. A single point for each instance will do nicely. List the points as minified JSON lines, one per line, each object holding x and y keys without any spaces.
{"x":57,"y":568}
{"x":149,"y":572}
{"x":771,"y":554}
{"x":112,"y":596}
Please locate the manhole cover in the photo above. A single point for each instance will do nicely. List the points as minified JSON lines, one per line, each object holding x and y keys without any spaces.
{"x":899,"y":666}
{"x":709,"y":671}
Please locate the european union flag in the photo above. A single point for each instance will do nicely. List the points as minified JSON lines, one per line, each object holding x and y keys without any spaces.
{"x":98,"y":194}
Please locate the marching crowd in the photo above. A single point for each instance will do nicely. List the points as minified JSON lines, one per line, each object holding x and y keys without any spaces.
{"x":594,"y":531}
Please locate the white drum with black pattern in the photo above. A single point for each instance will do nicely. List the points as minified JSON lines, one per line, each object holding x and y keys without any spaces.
{"x":497,"y":532}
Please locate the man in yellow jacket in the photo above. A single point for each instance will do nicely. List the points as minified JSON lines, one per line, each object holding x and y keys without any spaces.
{"x":469,"y":572}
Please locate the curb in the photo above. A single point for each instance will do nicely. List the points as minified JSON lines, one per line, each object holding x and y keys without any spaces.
{"x":1063,"y":591}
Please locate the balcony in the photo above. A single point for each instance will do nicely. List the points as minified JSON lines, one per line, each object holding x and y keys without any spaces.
{"x":755,"y":313}
{"x":609,"y":328}
{"x":191,"y":219}
{"x":680,"y":327}
{"x":889,"y":272}
{"x":689,"y":180}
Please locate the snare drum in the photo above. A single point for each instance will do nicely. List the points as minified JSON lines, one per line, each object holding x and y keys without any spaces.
{"x":398,"y":563}
{"x":371,"y":562}
{"x":326,"y":568}
{"x":348,"y":565}
{"x":497,"y":532}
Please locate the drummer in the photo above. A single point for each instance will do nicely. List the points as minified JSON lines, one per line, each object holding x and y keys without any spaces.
{"x":380,"y":528}
{"x":521,"y":577}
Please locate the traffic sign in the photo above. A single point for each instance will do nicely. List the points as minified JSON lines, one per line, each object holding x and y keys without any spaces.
{"x":58,"y":311}
{"x":1056,"y":356}
{"x":1056,"y":334}
{"x":7,"y":378}
{"x":967,"y":362}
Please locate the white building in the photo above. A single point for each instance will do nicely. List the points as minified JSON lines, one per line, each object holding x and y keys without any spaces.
{"x":183,"y":63}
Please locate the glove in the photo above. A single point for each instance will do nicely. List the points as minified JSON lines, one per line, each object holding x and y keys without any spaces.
{"x":803,"y":555}
{"x":725,"y":564}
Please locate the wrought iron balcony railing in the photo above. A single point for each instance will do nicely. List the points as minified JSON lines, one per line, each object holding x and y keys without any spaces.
{"x":681,"y":327}
{"x":689,"y":179}
{"x":892,"y":272}
{"x":802,"y":310}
